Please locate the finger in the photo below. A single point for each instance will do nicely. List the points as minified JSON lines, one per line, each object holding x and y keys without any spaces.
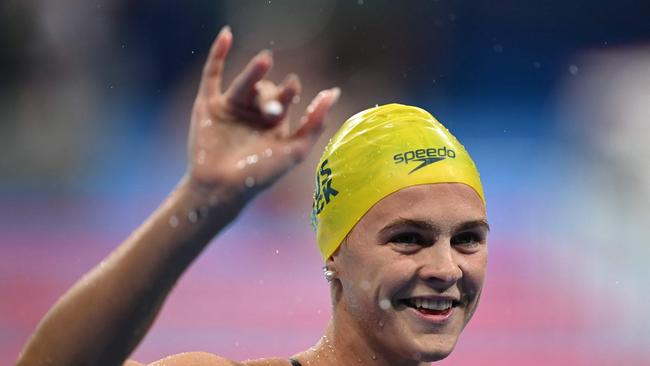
{"x":266,"y":101}
{"x":312,"y":122}
{"x":288,"y":91}
{"x":242,"y":90}
{"x":274,"y":101}
{"x":290,"y":88}
{"x":213,"y":68}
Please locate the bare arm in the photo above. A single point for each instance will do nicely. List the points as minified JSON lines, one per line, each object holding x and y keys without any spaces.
{"x":238,"y":145}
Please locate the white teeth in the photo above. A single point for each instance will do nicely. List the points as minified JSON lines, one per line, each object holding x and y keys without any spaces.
{"x":431,"y":304}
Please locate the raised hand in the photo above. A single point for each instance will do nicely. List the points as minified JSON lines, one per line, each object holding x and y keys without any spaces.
{"x":240,"y":137}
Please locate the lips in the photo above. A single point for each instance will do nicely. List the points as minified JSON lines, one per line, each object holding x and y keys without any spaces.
{"x":431,"y":306}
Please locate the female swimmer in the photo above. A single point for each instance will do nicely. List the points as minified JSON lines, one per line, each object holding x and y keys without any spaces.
{"x":399,"y":214}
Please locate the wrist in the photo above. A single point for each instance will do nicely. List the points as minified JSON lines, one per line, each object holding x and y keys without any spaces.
{"x":201,"y":202}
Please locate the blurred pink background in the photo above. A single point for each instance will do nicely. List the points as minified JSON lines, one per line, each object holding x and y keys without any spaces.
{"x":551,"y":100}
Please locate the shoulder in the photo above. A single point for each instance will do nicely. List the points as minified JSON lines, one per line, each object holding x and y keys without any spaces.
{"x":267,"y":362}
{"x":190,"y":358}
{"x":209,"y":359}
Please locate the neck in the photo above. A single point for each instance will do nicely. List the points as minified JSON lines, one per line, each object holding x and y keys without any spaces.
{"x":343,"y":344}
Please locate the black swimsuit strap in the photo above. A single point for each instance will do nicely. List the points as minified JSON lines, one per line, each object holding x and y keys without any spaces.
{"x":294,"y":362}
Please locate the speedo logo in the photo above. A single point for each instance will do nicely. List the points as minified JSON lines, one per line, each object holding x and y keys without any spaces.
{"x":424,"y":156}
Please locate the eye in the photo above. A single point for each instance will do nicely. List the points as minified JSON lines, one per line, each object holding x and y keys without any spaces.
{"x":467,"y":239}
{"x":408,"y":238}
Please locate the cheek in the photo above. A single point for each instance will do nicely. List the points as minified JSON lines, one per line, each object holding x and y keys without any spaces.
{"x":474,"y":267}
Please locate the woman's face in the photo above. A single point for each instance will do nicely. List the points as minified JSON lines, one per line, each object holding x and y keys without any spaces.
{"x":413,"y":267}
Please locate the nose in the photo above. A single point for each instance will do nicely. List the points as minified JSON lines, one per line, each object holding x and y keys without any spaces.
{"x":439,"y":266}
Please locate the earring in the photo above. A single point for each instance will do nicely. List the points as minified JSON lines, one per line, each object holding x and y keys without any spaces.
{"x":329,"y":274}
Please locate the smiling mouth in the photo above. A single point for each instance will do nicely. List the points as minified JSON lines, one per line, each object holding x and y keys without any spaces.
{"x":430,"y":306}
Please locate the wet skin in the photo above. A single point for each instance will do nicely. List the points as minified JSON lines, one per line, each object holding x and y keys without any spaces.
{"x":426,"y":241}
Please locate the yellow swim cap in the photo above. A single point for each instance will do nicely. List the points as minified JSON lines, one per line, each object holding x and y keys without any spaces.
{"x":375,"y":153}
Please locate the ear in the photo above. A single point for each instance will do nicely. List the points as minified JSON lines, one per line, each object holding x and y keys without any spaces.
{"x":333,"y":262}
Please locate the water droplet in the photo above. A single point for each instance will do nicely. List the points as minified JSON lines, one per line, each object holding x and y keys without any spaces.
{"x":296,"y":99}
{"x":277,"y":251}
{"x":452,"y":17}
{"x":213,"y":200}
{"x":360,"y":2}
{"x":271,"y":42}
{"x":573,"y":69}
{"x":252,"y":159}
{"x":249,"y":182}
{"x":241,"y":164}
{"x":384,"y":304}
{"x":193,"y":216}
{"x":365,"y":285}
{"x":287,"y":150}
{"x":200,"y":159}
{"x":381,"y":324}
{"x":173,"y":221}
{"x":537,"y":64}
{"x":206,"y":123}
{"x":374,"y":356}
{"x":268,"y":152}
{"x":498,"y":48}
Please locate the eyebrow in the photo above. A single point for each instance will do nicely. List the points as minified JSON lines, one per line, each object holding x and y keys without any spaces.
{"x":482,"y":223}
{"x":427,"y":225}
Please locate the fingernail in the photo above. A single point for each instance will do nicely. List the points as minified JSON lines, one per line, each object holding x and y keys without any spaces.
{"x":266,"y":52}
{"x":273,"y":108}
{"x":336,"y":93}
{"x":225,"y":29}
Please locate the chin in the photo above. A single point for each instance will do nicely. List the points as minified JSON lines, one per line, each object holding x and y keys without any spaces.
{"x":434,"y":356}
{"x":436,"y":351}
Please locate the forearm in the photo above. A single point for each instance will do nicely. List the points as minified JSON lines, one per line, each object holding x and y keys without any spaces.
{"x":104,"y":316}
